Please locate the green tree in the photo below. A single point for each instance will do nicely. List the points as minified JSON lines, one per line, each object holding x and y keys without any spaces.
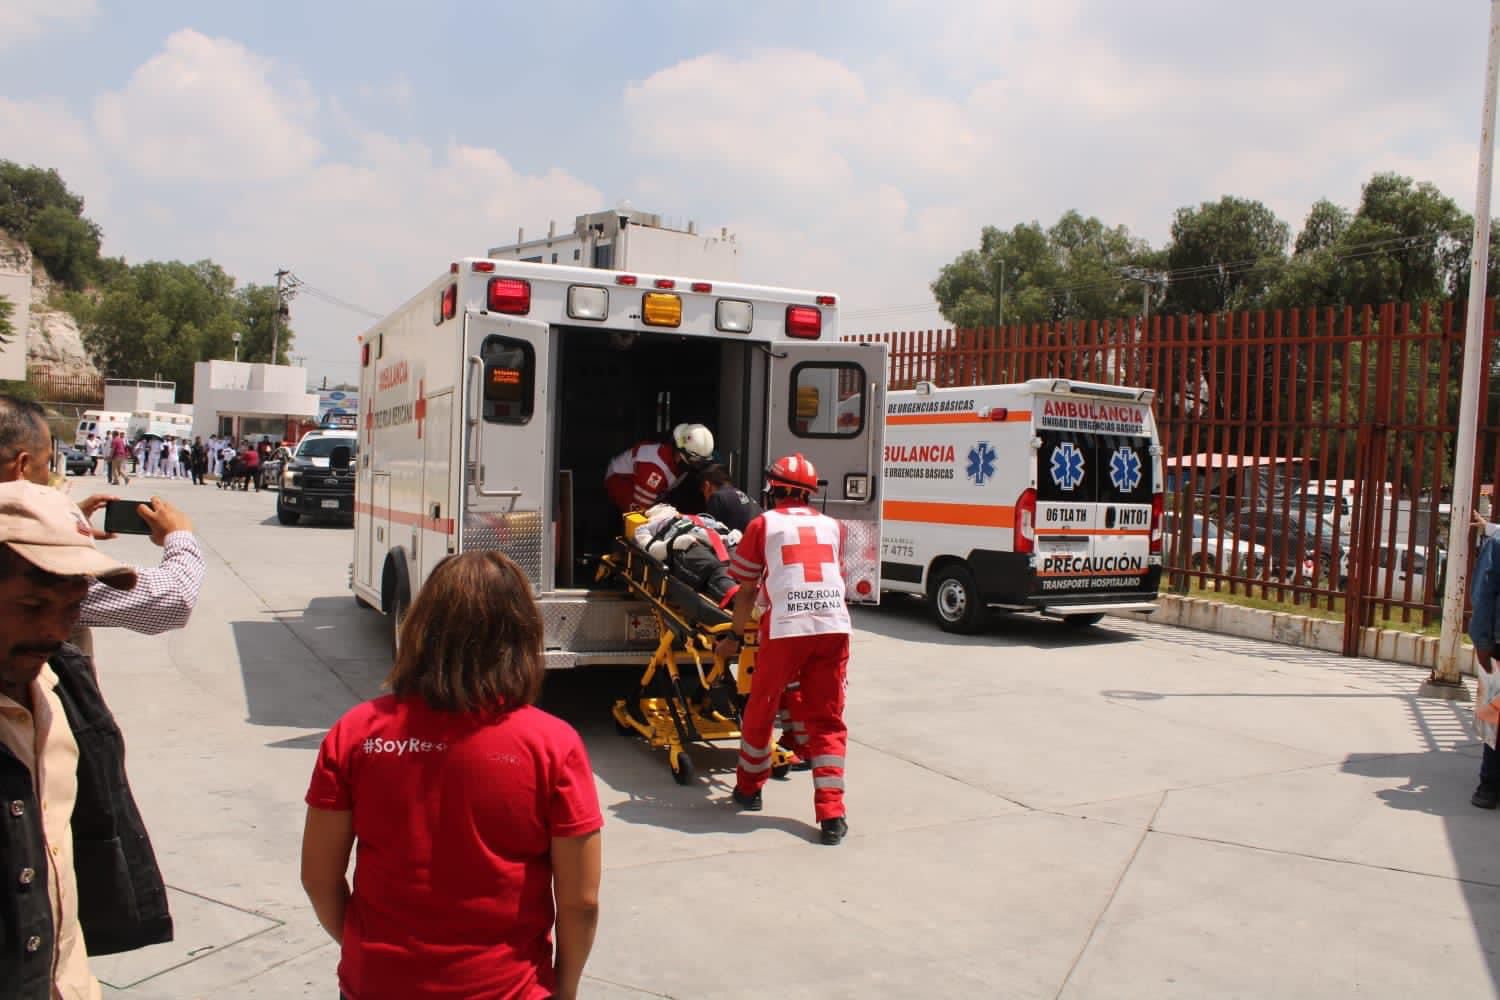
{"x":255,"y":311}
{"x":25,"y":191}
{"x":36,"y":206}
{"x":1408,"y":242}
{"x":160,"y":318}
{"x":66,"y":244}
{"x":1070,"y":271}
{"x":1224,"y":255}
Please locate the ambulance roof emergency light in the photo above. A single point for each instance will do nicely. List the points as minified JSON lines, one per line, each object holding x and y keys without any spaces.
{"x":733,"y":316}
{"x":661,"y":309}
{"x":804,"y":322}
{"x":588,"y":302}
{"x":509,"y":295}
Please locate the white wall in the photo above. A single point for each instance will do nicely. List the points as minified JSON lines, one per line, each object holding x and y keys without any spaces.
{"x":667,"y":251}
{"x":16,"y":286}
{"x":238,"y":388}
{"x":130,"y":398}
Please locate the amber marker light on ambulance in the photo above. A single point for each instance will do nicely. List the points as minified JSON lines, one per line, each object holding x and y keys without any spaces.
{"x":661,"y":309}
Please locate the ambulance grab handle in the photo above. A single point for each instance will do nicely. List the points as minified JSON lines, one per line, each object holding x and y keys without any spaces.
{"x":472,"y":467}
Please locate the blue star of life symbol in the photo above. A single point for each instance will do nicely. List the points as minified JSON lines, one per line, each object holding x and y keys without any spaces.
{"x":981,"y":465}
{"x":1125,"y":470}
{"x":1067,"y":466}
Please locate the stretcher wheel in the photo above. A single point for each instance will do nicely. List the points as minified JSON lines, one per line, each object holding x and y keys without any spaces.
{"x":623,"y":729}
{"x":682,"y":769}
{"x":780,"y":771}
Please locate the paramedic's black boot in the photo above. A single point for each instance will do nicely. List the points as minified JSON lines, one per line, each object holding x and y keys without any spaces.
{"x":834,"y":830}
{"x":1485,"y":797}
{"x":749,"y":803}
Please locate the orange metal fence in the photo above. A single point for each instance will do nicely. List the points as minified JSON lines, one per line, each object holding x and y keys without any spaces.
{"x":1308,"y":453}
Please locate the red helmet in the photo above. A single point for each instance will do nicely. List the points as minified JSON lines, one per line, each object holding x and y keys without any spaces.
{"x":793,"y":472}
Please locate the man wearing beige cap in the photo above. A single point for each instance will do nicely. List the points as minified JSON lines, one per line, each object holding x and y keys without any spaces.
{"x":75,"y":861}
{"x":164,"y":595}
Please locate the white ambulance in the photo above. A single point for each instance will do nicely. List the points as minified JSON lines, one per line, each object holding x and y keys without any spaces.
{"x":492,"y":403}
{"x":1041,"y":496}
{"x":100,"y":423}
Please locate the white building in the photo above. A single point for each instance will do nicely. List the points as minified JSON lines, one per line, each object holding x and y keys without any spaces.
{"x":250,"y":400}
{"x":627,"y":240}
{"x":15,"y":286}
{"x":131,"y":394}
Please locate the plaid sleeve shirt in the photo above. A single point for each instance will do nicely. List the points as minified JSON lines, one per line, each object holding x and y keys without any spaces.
{"x":162,"y":598}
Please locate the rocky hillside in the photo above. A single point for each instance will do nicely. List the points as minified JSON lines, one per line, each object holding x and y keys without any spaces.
{"x":54,"y":343}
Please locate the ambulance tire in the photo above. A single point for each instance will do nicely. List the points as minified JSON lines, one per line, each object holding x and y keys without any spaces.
{"x":285,"y":514}
{"x":955,"y":599}
{"x":1082,"y":621}
{"x":395,"y":594}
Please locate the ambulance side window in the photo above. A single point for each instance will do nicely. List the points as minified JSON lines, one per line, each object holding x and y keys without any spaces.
{"x":828,"y":400}
{"x":509,"y":380}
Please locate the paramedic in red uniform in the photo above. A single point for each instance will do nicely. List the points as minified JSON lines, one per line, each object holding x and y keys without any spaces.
{"x":793,"y":553}
{"x":472,"y":809}
{"x":642,"y":476}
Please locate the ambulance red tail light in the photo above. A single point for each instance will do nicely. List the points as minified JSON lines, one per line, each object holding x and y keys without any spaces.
{"x":664,"y":283}
{"x":625,"y":279}
{"x":804,"y":322}
{"x":509,"y":295}
{"x":1025,"y":526}
{"x":483,"y":267}
{"x":1000,"y":414}
{"x":827,"y":300}
{"x":450,"y":303}
{"x":702,"y":286}
{"x":1158,"y":505}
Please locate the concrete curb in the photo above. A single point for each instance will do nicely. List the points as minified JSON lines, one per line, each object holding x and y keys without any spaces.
{"x":1298,"y":630}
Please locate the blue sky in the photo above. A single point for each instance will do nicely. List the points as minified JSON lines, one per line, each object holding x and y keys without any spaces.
{"x":850,"y":146}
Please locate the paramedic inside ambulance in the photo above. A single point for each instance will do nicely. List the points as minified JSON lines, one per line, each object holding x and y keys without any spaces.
{"x":642,"y":476}
{"x":791,"y":554}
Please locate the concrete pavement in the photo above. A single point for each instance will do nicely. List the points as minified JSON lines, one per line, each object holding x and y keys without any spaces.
{"x":1128,"y":811}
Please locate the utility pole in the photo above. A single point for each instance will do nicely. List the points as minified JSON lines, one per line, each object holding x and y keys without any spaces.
{"x":1445,"y":681}
{"x":1000,"y":298}
{"x":286,"y":288}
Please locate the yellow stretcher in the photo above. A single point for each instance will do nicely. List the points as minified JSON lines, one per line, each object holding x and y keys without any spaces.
{"x":688,"y":694}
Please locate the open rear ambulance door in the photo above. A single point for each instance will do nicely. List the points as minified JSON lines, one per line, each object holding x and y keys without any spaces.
{"x":506,"y":489}
{"x":827,"y":401}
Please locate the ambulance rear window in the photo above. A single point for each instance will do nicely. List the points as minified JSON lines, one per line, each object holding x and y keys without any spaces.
{"x":509,"y":380}
{"x":828,"y":400}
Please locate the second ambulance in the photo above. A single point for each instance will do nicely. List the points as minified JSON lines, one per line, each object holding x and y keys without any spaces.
{"x":1041,"y":496}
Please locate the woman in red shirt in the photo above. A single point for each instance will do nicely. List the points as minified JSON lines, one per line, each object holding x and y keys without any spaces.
{"x":472,"y":809}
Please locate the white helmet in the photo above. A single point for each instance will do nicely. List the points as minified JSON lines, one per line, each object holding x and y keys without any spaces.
{"x":695,"y":441}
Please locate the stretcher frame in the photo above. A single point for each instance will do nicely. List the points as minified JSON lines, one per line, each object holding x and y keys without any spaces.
{"x":690,"y":625}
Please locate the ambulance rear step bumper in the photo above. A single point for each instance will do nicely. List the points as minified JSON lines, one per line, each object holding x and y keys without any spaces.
{"x":567,"y":659}
{"x":1111,"y":607}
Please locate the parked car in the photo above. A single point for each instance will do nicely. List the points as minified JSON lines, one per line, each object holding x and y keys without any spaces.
{"x":1402,"y":562}
{"x":271,"y":468}
{"x":1210,"y":548}
{"x":319,"y":479}
{"x":1295,"y":547}
{"x":77,"y":462}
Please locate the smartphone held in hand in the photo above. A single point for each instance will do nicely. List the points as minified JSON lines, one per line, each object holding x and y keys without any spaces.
{"x":122,"y":517}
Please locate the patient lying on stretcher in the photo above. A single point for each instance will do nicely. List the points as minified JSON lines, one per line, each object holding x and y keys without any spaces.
{"x":694,"y":547}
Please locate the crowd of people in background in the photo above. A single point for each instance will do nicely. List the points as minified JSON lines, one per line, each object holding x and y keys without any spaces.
{"x":234,"y":465}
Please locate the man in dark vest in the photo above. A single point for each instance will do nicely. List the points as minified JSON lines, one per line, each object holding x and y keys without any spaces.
{"x":80,"y":876}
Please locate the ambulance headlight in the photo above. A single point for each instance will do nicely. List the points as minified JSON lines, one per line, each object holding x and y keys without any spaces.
{"x":856,"y":487}
{"x":290,"y":477}
{"x":733,"y":316}
{"x":588,"y":302}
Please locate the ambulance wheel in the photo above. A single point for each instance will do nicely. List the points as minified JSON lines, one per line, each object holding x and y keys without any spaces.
{"x":955,"y":599}
{"x":1082,"y":621}
{"x":287,"y":516}
{"x":682,"y":769}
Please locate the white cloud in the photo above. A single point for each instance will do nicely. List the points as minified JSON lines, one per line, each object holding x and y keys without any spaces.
{"x":23,"y":20}
{"x":209,"y":109}
{"x":46,"y":134}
